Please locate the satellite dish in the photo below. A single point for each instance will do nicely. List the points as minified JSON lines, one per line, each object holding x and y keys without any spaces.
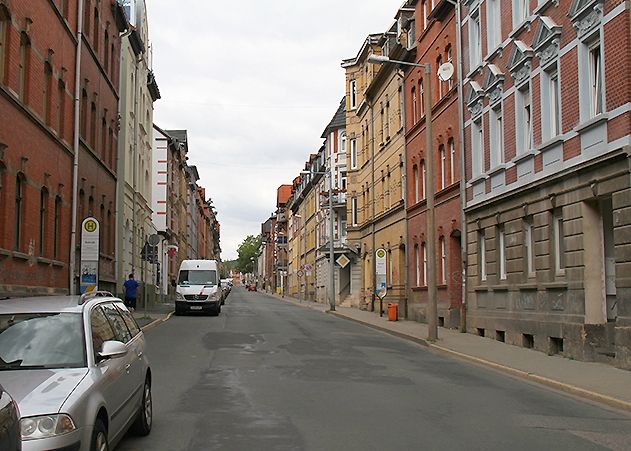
{"x":445,"y":71}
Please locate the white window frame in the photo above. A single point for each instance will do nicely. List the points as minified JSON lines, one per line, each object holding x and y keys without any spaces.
{"x":423,"y":180}
{"x":482,"y":254}
{"x":502,"y":253}
{"x":417,"y":258}
{"x":477,"y":148}
{"x":424,"y":14}
{"x":353,"y":153}
{"x":353,"y":93}
{"x":443,"y":166}
{"x":415,"y":178}
{"x":596,"y":98}
{"x":521,"y":12}
{"x":414,"y":106}
{"x":523,"y":119}
{"x":443,"y":260}
{"x":497,"y":136}
{"x":449,"y":51}
{"x":475,"y":39}
{"x":550,"y":103}
{"x":452,"y":160}
{"x":494,"y":23}
{"x":424,"y":255}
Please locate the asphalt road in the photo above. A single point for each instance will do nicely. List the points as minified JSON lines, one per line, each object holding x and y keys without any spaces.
{"x":268,"y":375}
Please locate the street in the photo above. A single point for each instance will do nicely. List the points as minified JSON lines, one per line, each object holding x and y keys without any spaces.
{"x":268,"y":375}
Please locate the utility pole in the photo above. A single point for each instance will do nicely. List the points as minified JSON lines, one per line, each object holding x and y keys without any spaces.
{"x":331,"y":243}
{"x":432,"y":307}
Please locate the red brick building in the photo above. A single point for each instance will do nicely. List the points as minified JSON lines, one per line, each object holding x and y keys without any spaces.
{"x":434,"y":42}
{"x":38,"y":42}
{"x":547,"y":130}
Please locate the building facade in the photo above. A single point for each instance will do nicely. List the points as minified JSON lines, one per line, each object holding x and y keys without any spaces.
{"x":138,"y":92}
{"x":547,"y":133}
{"x":431,"y":38}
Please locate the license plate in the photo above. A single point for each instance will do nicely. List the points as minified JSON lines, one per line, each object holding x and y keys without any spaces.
{"x":196,"y":307}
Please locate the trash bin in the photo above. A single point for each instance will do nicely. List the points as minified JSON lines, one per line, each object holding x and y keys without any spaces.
{"x":393,"y":312}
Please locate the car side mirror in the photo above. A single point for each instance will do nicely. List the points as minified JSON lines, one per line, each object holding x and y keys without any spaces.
{"x":112,"y":349}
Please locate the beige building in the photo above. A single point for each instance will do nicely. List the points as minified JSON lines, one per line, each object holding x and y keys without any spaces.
{"x":376,"y":172}
{"x":138,"y":91}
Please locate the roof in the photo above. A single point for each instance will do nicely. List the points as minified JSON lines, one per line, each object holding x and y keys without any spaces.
{"x":339,"y":119}
{"x":48,"y":304}
{"x":283,"y":194}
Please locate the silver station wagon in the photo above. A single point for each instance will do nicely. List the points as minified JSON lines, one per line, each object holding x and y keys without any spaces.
{"x":77,"y":368}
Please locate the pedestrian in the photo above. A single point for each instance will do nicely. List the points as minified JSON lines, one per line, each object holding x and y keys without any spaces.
{"x":131,"y":292}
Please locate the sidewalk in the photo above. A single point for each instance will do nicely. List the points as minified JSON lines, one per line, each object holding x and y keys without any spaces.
{"x":595,"y":381}
{"x":153,"y":315}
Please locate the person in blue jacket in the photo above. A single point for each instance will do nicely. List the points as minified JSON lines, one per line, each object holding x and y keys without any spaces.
{"x":131,"y":292}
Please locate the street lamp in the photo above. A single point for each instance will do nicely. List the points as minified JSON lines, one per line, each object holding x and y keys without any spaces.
{"x":331,"y":243}
{"x":445,"y":71}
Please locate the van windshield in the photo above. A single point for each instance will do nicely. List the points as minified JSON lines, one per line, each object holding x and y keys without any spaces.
{"x":197,"y":277}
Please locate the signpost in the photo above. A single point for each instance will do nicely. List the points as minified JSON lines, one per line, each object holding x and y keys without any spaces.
{"x":89,"y":276}
{"x":380,"y":276}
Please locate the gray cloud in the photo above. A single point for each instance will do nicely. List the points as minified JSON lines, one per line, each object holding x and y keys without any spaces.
{"x":254,"y":82}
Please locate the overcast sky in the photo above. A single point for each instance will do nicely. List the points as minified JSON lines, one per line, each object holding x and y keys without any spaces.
{"x":254,"y":82}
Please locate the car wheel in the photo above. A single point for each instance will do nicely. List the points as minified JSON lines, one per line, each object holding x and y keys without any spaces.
{"x":99,"y":437}
{"x":142,"y":425}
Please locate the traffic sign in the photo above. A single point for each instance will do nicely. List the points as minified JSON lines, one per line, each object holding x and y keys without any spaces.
{"x":343,"y":261}
{"x":300,"y":273}
{"x":380,"y":271}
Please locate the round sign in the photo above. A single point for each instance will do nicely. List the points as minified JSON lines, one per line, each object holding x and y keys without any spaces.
{"x":90,"y":225}
{"x":153,"y":239}
{"x":381,"y":253}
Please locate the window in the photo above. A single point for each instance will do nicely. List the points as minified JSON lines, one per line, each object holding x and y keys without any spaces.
{"x":387,"y":118}
{"x":497,"y":138}
{"x":452,"y":160}
{"x":423,"y":179}
{"x":104,"y":139}
{"x":101,"y":330}
{"x":401,"y":106}
{"x":555,"y":104}
{"x":494,"y":23}
{"x":529,"y":247}
{"x":95,"y":33}
{"x":47,"y":100}
{"x":106,"y":49}
{"x":595,"y":81}
{"x":56,"y":226}
{"x":475,"y":39}
{"x":343,"y":142}
{"x":450,"y":82}
{"x":131,"y":323}
{"x":477,"y":148}
{"x":414,"y":107}
{"x":19,"y":210}
{"x":521,"y":11}
{"x":4,"y":28}
{"x":353,"y":153}
{"x":421,"y":91}
{"x":443,"y":167}
{"x":383,"y":126}
{"x":502,"y":253}
{"x":523,"y":117}
{"x":424,"y":14}
{"x":93,"y":125}
{"x":86,"y":16}
{"x":61,"y":98}
{"x":25,"y":57}
{"x":84,"y":114}
{"x":559,"y":242}
{"x":417,"y":260}
{"x":439,"y":82}
{"x":354,"y":211}
{"x":353,"y":93}
{"x":424,"y":255}
{"x":43,"y":207}
{"x":443,"y":260}
{"x":482,"y":254}
{"x":416,"y":183}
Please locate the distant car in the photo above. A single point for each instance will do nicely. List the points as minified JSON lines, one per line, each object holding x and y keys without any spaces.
{"x":78,"y":369}
{"x":251,"y":287}
{"x":198,"y":288}
{"x":9,"y":423}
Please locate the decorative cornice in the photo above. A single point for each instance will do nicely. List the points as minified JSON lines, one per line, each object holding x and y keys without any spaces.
{"x":547,"y":40}
{"x":588,"y":19}
{"x":519,"y":63}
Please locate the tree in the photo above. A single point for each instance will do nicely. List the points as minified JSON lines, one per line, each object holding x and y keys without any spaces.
{"x":248,"y":251}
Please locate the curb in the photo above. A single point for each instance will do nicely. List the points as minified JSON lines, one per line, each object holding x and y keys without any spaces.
{"x":542,"y":380}
{"x":156,"y":322}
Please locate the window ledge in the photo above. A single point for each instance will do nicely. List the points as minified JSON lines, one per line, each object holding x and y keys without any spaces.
{"x":545,"y":5}
{"x":44,"y":261}
{"x":477,"y":179}
{"x":499,"y":168}
{"x":528,"y":286}
{"x":551,"y":143}
{"x":525,"y":25}
{"x":475,"y":70}
{"x":5,"y":252}
{"x":58,"y":263}
{"x":481,"y":288}
{"x":596,"y":120}
{"x":21,"y":255}
{"x":495,"y":52}
{"x":555,"y":285}
{"x":499,"y":287}
{"x":524,"y":156}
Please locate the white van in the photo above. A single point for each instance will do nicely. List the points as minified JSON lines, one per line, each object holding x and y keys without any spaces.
{"x":198,"y":288}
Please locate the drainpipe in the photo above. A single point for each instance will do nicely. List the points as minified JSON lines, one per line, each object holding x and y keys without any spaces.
{"x":75,"y":149}
{"x":405,"y":200}
{"x":372,"y":200}
{"x":463,"y":182}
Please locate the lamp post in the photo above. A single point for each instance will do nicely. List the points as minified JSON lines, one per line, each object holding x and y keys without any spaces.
{"x":432,"y":304}
{"x":331,"y":242}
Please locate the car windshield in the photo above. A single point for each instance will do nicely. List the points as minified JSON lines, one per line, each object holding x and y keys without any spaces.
{"x":197,"y":277}
{"x":41,"y":340}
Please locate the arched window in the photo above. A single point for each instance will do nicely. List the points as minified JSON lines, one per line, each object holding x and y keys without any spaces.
{"x":448,"y":54}
{"x":93,"y":125}
{"x":95,"y":33}
{"x":424,"y":256}
{"x":110,"y":233}
{"x":84,"y":114}
{"x":439,"y":62}
{"x":423,"y":180}
{"x":19,"y":210}
{"x":81,"y":205}
{"x":47,"y":94}
{"x":43,"y":219}
{"x":417,"y":265}
{"x":61,"y":98}
{"x":421,"y":90}
{"x":90,"y":206}
{"x":56,"y":227}
{"x":104,"y":155}
{"x":416,"y":183}
{"x":414,"y":106}
{"x":443,"y":260}
{"x":25,"y":63}
{"x":106,"y":49}
{"x":86,"y":17}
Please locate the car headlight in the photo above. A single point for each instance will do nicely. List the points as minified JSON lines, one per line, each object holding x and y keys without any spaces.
{"x":179,"y":296}
{"x":46,"y":426}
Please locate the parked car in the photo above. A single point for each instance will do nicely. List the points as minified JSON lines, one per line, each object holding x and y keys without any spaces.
{"x":9,"y":423}
{"x":198,"y":288}
{"x":78,"y":369}
{"x":251,"y":287}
